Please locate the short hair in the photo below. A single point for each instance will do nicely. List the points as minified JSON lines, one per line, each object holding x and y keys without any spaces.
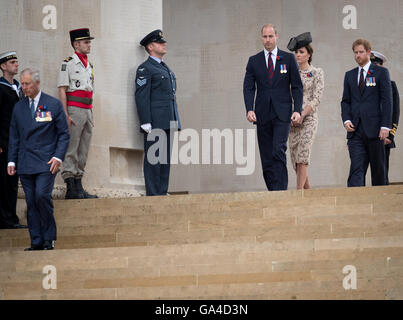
{"x":362,"y":42}
{"x":269,"y":25}
{"x":34,"y":73}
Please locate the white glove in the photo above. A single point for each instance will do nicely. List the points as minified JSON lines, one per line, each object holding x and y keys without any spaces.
{"x":146,"y":127}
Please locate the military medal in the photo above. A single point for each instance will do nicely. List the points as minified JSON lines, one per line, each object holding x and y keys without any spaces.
{"x":42,"y":115}
{"x":283,"y":68}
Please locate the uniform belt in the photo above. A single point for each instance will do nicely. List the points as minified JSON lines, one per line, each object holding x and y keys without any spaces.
{"x":87,"y":101}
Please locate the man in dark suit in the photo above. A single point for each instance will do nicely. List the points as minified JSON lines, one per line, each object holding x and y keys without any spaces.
{"x":366,"y":110}
{"x":10,"y":93}
{"x":273,"y":76}
{"x":157,"y":109}
{"x":39,"y":137}
{"x":379,"y":59}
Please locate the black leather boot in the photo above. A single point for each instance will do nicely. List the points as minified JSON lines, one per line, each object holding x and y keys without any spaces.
{"x":82,"y":192}
{"x":71,"y":192}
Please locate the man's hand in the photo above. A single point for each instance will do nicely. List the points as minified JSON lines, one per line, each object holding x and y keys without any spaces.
{"x":388,"y":141}
{"x":383,"y":134}
{"x":11,"y":170}
{"x":70,"y":122}
{"x":251,"y":116}
{"x":1,"y":150}
{"x":349,"y":126}
{"x":295,"y":117}
{"x":54,"y":165}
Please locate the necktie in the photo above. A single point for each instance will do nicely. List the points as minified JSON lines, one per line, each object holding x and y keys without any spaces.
{"x":164,"y":64}
{"x":33,"y":108}
{"x":361,"y":83}
{"x":270,"y":67}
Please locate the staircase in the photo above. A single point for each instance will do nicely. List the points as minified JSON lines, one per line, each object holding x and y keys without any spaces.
{"x":260,"y":245}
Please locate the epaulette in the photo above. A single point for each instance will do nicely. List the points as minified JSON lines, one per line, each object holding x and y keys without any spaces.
{"x":68,"y":59}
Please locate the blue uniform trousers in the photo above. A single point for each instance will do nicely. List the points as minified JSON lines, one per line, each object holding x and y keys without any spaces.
{"x":156,"y":175}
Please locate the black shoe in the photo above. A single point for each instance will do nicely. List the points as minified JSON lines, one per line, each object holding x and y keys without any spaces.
{"x":48,"y":245}
{"x":71,"y":190}
{"x":82,"y":192}
{"x":13,"y":226}
{"x":19,"y":226}
{"x":34,"y":248}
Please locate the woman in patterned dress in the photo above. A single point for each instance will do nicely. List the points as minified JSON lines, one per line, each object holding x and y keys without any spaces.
{"x":302,"y":132}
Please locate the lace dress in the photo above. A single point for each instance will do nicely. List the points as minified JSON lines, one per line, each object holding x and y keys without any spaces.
{"x":301,"y":138}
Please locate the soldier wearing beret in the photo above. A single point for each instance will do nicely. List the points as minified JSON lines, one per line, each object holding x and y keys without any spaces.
{"x":379,"y":59}
{"x":157,"y":109}
{"x":76,"y":86}
{"x":10,"y":94}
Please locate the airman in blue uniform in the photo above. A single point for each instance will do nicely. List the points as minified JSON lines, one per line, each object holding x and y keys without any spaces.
{"x":155,"y":97}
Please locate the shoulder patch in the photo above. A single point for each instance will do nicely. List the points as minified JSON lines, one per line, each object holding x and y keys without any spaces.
{"x":64,"y":67}
{"x":68,"y":59}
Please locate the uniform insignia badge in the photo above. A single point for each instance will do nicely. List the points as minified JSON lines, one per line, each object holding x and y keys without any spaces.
{"x":141,"y":82}
{"x":64,"y":66}
{"x":78,"y":83}
{"x":141,"y":70}
{"x":68,"y":59}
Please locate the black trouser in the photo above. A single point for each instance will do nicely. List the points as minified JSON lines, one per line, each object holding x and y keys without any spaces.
{"x":272,"y":140}
{"x":364,"y":151}
{"x":8,"y":194}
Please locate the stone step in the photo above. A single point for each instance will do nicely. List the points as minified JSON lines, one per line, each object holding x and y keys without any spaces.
{"x":281,"y":290}
{"x":201,"y":254}
{"x":285,"y":283}
{"x":227,"y":197}
{"x":262,"y":229}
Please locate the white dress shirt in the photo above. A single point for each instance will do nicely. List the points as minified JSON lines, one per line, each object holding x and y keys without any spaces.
{"x":36,"y":102}
{"x":273,"y":56}
{"x":366,"y":68}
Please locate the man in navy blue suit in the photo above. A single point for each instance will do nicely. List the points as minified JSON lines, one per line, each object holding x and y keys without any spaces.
{"x":39,"y":137}
{"x":366,"y":110}
{"x":273,"y":76}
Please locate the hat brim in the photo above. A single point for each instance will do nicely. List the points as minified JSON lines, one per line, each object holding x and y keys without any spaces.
{"x":84,"y":38}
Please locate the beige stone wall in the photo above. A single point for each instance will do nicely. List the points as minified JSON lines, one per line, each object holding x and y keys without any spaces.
{"x":209,"y":43}
{"x":115,"y":159}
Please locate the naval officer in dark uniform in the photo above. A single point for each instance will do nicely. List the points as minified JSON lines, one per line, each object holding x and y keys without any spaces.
{"x":10,"y":94}
{"x":157,"y":109}
{"x":379,"y":59}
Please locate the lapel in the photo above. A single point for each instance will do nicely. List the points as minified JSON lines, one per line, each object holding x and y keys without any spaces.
{"x":26,"y":114}
{"x":263,"y":66}
{"x":370,"y":73}
{"x":277,"y":68}
{"x":355,"y":86}
{"x":41,"y":102}
{"x":155,"y":63}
